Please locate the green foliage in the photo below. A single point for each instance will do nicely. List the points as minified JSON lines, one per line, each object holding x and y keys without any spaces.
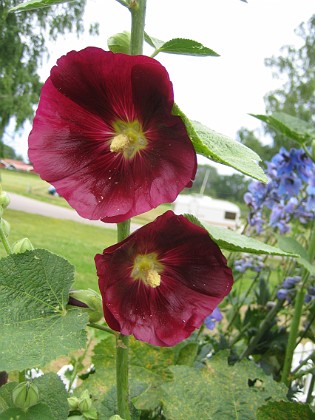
{"x":34,"y":289}
{"x":119,"y":43}
{"x":235,"y":242}
{"x":249,"y":139}
{"x":292,"y":127}
{"x":52,"y":404}
{"x":292,"y":245}
{"x":222,"y":149}
{"x":22,"y":48}
{"x":296,"y":66}
{"x":215,"y":391}
{"x":35,"y":4}
{"x":283,"y":410}
{"x":180,"y":46}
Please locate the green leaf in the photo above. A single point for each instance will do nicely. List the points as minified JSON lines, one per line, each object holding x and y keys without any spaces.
{"x":37,"y":412}
{"x":153,"y":42}
{"x":292,"y":127}
{"x":222,"y":149}
{"x":119,"y":43}
{"x":233,"y":241}
{"x":36,"y":4}
{"x":35,"y":325}
{"x":186,"y":47}
{"x":52,"y":392}
{"x":53,"y":402}
{"x":181,"y":46}
{"x":292,"y":245}
{"x":284,"y":410}
{"x":219,"y":391}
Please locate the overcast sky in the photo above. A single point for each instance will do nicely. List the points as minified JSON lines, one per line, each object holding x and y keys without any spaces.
{"x":220,"y":91}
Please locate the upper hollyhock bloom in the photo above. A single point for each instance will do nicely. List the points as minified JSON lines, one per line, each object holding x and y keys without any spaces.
{"x":161,"y":282}
{"x":105,"y":137}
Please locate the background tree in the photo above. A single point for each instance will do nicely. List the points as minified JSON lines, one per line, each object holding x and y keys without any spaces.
{"x":22,"y":48}
{"x":295,"y":69}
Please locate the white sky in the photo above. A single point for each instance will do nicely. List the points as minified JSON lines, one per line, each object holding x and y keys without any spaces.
{"x":220,"y":91}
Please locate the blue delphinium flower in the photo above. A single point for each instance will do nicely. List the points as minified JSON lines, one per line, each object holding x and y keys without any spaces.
{"x":289,"y":194}
{"x":287,"y":288}
{"x":249,"y":262}
{"x":212,"y":319}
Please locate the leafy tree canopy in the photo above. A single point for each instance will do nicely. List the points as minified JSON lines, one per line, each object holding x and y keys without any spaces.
{"x":22,"y":47}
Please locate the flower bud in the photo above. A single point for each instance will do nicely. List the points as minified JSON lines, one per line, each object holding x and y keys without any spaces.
{"x":119,"y":43}
{"x":90,"y":300}
{"x":4,"y":199}
{"x":85,"y":401}
{"x":5,"y":226}
{"x":73,"y":403}
{"x":24,"y":395}
{"x":115,"y":417}
{"x":22,"y":245}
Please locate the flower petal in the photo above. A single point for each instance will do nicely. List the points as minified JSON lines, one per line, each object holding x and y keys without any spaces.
{"x":194,"y":279}
{"x":69,"y":146}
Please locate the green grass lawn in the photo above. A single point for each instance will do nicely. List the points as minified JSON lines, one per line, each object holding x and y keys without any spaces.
{"x":32,"y":186}
{"x":76,"y":242}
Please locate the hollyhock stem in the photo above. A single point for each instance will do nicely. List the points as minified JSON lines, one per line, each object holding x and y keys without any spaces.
{"x":137,"y":9}
{"x":122,"y":341}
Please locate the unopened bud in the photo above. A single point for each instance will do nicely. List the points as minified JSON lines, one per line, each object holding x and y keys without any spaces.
{"x":73,"y":403}
{"x":5,"y":226}
{"x":25,"y":395}
{"x":4,"y":199}
{"x":22,"y":245}
{"x":90,"y":301}
{"x":85,"y":401}
{"x":119,"y":43}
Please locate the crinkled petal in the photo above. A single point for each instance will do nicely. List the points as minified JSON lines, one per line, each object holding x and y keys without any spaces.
{"x":194,"y":279}
{"x":69,"y":145}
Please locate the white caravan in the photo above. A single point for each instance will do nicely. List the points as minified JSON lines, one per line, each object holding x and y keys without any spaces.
{"x":209,"y":210}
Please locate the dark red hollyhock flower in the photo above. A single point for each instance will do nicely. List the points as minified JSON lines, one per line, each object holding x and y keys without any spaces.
{"x":161,"y":282}
{"x":105,"y":137}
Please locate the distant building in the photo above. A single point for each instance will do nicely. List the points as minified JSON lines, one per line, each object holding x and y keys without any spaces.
{"x":209,"y":210}
{"x":15,"y":165}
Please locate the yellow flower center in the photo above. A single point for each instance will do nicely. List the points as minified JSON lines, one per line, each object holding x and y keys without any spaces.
{"x":129,"y":138}
{"x":147,"y":268}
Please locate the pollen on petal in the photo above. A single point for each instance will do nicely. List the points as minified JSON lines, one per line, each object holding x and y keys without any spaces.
{"x":119,"y":143}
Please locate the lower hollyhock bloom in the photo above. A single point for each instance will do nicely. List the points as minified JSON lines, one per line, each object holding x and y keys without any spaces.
{"x":105,"y":137}
{"x":161,"y":282}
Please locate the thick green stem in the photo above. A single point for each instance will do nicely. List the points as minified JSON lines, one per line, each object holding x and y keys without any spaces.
{"x":5,"y":241}
{"x":137,"y":9}
{"x":122,"y":362}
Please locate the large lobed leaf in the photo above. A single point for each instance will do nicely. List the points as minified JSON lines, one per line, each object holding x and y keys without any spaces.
{"x":35,"y":325}
{"x":292,"y":127}
{"x":222,"y":149}
{"x":218,"y":391}
{"x":283,"y":410}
